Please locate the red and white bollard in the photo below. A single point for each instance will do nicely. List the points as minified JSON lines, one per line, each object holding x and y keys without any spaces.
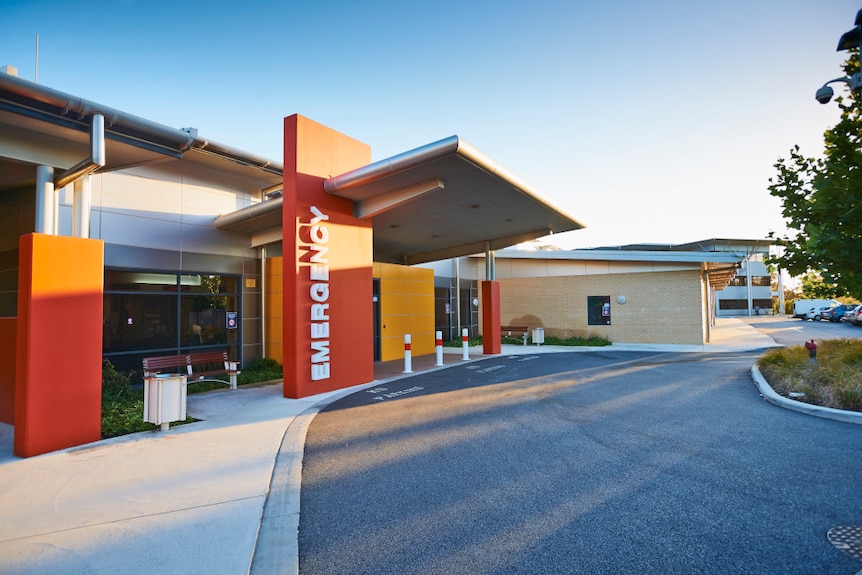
{"x":408,"y":359}
{"x":465,"y":343}
{"x":438,"y":344}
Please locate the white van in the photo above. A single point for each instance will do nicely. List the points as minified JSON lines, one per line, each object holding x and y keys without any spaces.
{"x":801,"y":306}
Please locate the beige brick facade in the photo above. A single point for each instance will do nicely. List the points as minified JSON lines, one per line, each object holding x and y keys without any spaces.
{"x":665,"y":307}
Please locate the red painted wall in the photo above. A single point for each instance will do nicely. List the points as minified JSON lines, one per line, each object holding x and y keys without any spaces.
{"x":491,"y":337}
{"x":328,"y":315}
{"x":8,"y":333}
{"x":59,"y":343}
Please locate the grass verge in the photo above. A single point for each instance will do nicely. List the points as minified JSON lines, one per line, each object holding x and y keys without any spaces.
{"x":123,"y":400}
{"x":834,"y":379}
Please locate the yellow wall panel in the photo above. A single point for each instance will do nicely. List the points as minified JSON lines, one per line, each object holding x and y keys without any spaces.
{"x":393,"y":271}
{"x":391,"y":348}
{"x":422,"y":305}
{"x":395,"y":325}
{"x":395,"y":285}
{"x":275,"y":266}
{"x":406,"y":306}
{"x":274,"y":310}
{"x":422,"y":274}
{"x":394,"y":303}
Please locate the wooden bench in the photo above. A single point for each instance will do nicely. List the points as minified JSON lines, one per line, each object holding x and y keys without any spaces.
{"x":509,"y":330}
{"x":201,"y":366}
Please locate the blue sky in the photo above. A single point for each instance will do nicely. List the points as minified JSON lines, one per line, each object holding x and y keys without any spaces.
{"x":654,"y":122}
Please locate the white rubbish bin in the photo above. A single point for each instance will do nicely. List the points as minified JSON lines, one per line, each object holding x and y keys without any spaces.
{"x":165,"y":399}
{"x":538,"y":335}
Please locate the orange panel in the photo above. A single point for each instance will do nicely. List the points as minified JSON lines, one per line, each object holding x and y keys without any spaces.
{"x":58,"y":388}
{"x":491,"y":338}
{"x":8,"y":335}
{"x":321,"y":151}
{"x":328,"y":316}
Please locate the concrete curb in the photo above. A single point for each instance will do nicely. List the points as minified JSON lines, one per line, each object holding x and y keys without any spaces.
{"x":771,"y":396}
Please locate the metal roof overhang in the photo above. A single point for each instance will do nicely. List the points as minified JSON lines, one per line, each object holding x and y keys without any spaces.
{"x":719,"y":268}
{"x":445,"y":200}
{"x":40,"y":125}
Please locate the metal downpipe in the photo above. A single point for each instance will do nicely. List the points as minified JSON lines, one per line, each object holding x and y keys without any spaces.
{"x":96,"y":159}
{"x":45,"y":195}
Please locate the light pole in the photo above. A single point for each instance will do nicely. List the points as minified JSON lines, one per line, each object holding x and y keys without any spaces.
{"x":851,"y":39}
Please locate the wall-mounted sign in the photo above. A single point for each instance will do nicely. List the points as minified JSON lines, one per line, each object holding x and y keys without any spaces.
{"x":598,"y":310}
{"x":231,"y":320}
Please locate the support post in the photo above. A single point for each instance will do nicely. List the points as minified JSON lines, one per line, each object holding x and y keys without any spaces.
{"x":408,"y":357}
{"x":465,"y":344}
{"x":81,"y":208}
{"x":45,"y":200}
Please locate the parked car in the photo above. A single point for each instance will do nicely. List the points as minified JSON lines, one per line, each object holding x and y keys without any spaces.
{"x":850,"y":315}
{"x":816,"y":313}
{"x":837,"y":312}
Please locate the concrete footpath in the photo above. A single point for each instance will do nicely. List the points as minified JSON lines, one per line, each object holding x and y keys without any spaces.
{"x":217,"y":496}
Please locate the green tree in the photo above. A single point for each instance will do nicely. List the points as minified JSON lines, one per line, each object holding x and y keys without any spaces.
{"x":813,"y":287}
{"x":821,"y":200}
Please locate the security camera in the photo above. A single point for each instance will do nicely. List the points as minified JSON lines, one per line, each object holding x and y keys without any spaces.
{"x":824,"y":94}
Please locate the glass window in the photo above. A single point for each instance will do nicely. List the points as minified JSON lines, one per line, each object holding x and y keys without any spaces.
{"x":599,"y":310}
{"x":206,"y":283}
{"x":204,"y":320}
{"x":128,"y":281}
{"x":133,"y":321}
{"x":157,"y":313}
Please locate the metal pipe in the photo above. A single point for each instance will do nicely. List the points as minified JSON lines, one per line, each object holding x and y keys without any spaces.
{"x":122,"y":123}
{"x":263,"y":301}
{"x":44,"y":200}
{"x":71,"y":104}
{"x":248,"y":213}
{"x":81,"y":202}
{"x":96,"y":159}
{"x":490,"y":263}
{"x":457,"y":294}
{"x":748,"y":282}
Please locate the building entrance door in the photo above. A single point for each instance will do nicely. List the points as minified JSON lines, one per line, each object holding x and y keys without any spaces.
{"x":376,"y":309}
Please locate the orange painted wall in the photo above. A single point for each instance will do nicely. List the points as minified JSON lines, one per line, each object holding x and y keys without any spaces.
{"x":58,"y":392}
{"x":274,"y":309}
{"x":491,"y":337}
{"x":313,"y":153}
{"x":8,"y":335}
{"x":406,"y":307}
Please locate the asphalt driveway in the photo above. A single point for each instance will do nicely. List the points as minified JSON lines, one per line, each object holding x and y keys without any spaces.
{"x":604,"y":462}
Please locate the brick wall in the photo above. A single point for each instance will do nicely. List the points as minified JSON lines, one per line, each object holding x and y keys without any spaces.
{"x":660,"y":307}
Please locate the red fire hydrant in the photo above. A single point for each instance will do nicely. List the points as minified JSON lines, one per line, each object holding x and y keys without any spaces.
{"x":812,"y":350}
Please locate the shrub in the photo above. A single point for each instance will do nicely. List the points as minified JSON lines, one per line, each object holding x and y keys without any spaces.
{"x":833,"y":380}
{"x":123,"y":402}
{"x":260,"y":370}
{"x":122,"y":405}
{"x":592,"y":341}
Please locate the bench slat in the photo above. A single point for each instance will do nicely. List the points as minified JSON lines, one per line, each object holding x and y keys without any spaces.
{"x":204,"y":361}
{"x":506,"y":330}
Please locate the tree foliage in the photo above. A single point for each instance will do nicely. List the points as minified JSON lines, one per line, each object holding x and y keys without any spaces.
{"x":821,"y":200}
{"x":813,"y":287}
